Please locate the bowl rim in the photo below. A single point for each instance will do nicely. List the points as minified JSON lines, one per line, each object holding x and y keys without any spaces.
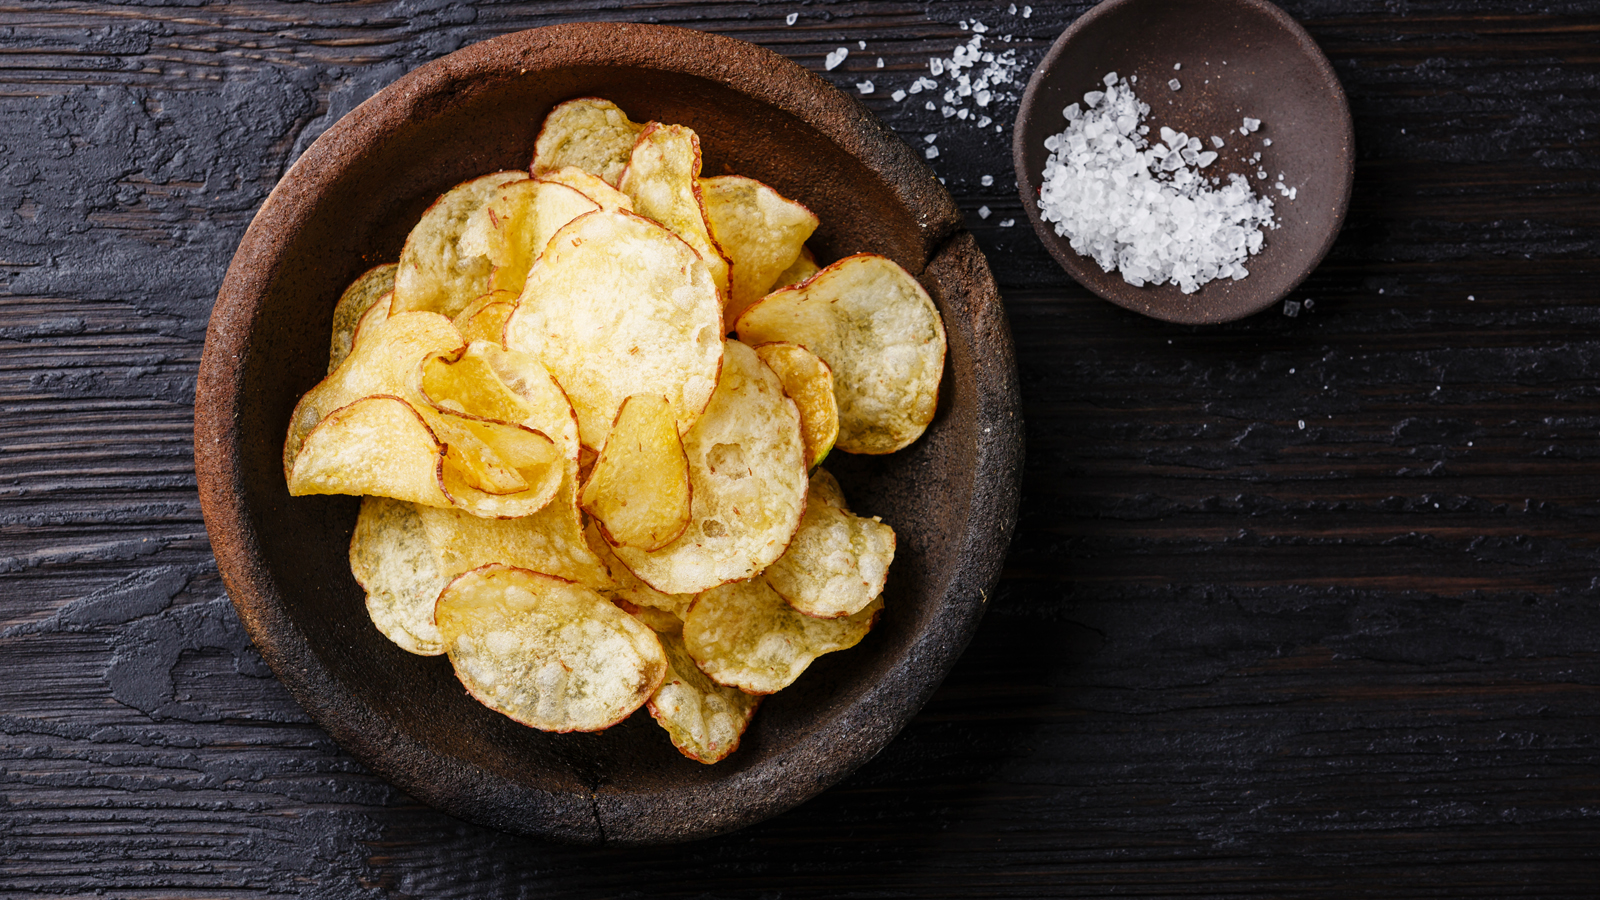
{"x":452,"y":784}
{"x":1073,"y":263}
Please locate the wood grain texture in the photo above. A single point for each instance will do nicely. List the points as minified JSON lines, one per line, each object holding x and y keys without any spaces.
{"x":1235,"y":655}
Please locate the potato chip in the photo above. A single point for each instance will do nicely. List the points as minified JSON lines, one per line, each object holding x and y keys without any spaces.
{"x":499,"y":469}
{"x":809,"y":383}
{"x":825,"y":488}
{"x":663,"y":181}
{"x":587,"y":133}
{"x":484,"y":319}
{"x":620,"y":306}
{"x":875,"y":326}
{"x":359,"y":297}
{"x":550,"y":541}
{"x":436,"y":274}
{"x":638,"y":490}
{"x":660,"y":621}
{"x":747,"y":471}
{"x":704,"y":720}
{"x":803,"y":268}
{"x":836,"y":564}
{"x":759,"y":230}
{"x":393,"y":560}
{"x":592,"y":186}
{"x":745,"y":635}
{"x":485,"y":379}
{"x":627,"y":588}
{"x":385,"y":359}
{"x":512,"y":228}
{"x":548,"y":653}
{"x":376,"y":445}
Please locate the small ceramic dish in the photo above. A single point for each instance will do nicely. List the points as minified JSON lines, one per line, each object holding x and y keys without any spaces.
{"x":348,"y":203}
{"x":1239,"y":58}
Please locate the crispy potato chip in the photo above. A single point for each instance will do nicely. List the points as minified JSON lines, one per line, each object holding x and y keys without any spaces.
{"x":620,"y":306}
{"x":512,"y":228}
{"x":549,"y":541}
{"x":875,"y":326}
{"x":436,"y":274}
{"x":545,"y":652}
{"x":592,"y":186}
{"x":627,"y":586}
{"x":660,"y":621}
{"x":484,"y":319}
{"x":638,"y":490}
{"x":385,"y":359}
{"x":376,"y":445}
{"x":704,"y":720}
{"x":587,"y":133}
{"x":745,"y":635}
{"x":809,"y":383}
{"x":759,"y":230}
{"x":825,"y":488}
{"x":803,"y":268}
{"x":359,"y":297}
{"x":515,"y":472}
{"x":747,"y":470}
{"x":393,"y":560}
{"x":663,"y":181}
{"x":836,"y":564}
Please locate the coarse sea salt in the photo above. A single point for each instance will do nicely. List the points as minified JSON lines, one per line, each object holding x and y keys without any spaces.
{"x":1145,"y":209}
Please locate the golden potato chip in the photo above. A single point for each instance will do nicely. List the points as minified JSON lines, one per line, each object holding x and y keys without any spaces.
{"x":484,"y":319}
{"x":825,"y":488}
{"x":620,"y":306}
{"x":376,"y":445}
{"x":809,"y":383}
{"x":747,"y":471}
{"x":545,"y":652}
{"x":587,"y":133}
{"x":499,"y":469}
{"x":836,"y":564}
{"x":393,"y":560}
{"x":627,"y":588}
{"x":592,"y":186}
{"x":803,"y":268}
{"x":875,"y":326}
{"x":638,"y":490}
{"x":660,"y":621}
{"x":436,"y":274}
{"x":359,"y":297}
{"x":663,"y":181}
{"x":745,"y":635}
{"x":704,"y":720}
{"x":759,"y":230}
{"x":512,"y":228}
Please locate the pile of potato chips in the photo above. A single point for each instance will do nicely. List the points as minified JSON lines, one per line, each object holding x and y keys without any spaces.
{"x":576,"y":485}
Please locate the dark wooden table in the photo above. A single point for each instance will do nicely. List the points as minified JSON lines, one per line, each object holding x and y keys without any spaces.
{"x":1307,"y":604}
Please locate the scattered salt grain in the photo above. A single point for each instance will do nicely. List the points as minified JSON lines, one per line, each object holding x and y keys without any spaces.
{"x":880,"y":62}
{"x":1027,"y":12}
{"x":1217,"y":142}
{"x":1175,"y":84}
{"x":1145,"y":210}
{"x":1266,"y":142}
{"x":791,"y":18}
{"x":833,"y":59}
{"x":986,"y":180}
{"x":983,"y":212}
{"x":1251,"y":125}
{"x":930,"y":138}
{"x":1007,"y":223}
{"x":1291,"y":308}
{"x":929,"y":106}
{"x":865,"y":87}
{"x":861,"y":45}
{"x":1177,"y":67}
{"x":931,"y":153}
{"x":897,"y":96}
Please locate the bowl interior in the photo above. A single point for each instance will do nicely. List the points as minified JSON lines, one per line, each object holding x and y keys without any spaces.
{"x":1239,"y":58}
{"x":347,"y":206}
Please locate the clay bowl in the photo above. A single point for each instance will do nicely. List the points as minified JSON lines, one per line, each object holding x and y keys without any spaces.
{"x":1274,"y":72}
{"x":347,"y":205}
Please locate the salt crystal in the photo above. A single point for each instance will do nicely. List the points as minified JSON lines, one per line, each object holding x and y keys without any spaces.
{"x":1217,"y":142}
{"x":1093,"y":97}
{"x":1177,"y":66}
{"x":1266,"y":142}
{"x":1291,"y":308}
{"x":936,"y":65}
{"x":1027,"y":12}
{"x":930,"y":138}
{"x":791,"y":18}
{"x":865,"y":87}
{"x":1110,"y":80}
{"x":931,"y":153}
{"x":983,"y":212}
{"x":880,"y":62}
{"x":986,"y":180}
{"x":832,"y":60}
{"x":929,"y":105}
{"x":1007,"y":223}
{"x":1471,"y":298}
{"x":897,"y":96}
{"x":1251,"y":125}
{"x":1141,"y":209}
{"x":861,"y":45}
{"x":1175,"y":85}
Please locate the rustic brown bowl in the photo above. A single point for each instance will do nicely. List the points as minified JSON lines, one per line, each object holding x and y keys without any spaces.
{"x":1275,"y":72}
{"x":348,"y":203}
